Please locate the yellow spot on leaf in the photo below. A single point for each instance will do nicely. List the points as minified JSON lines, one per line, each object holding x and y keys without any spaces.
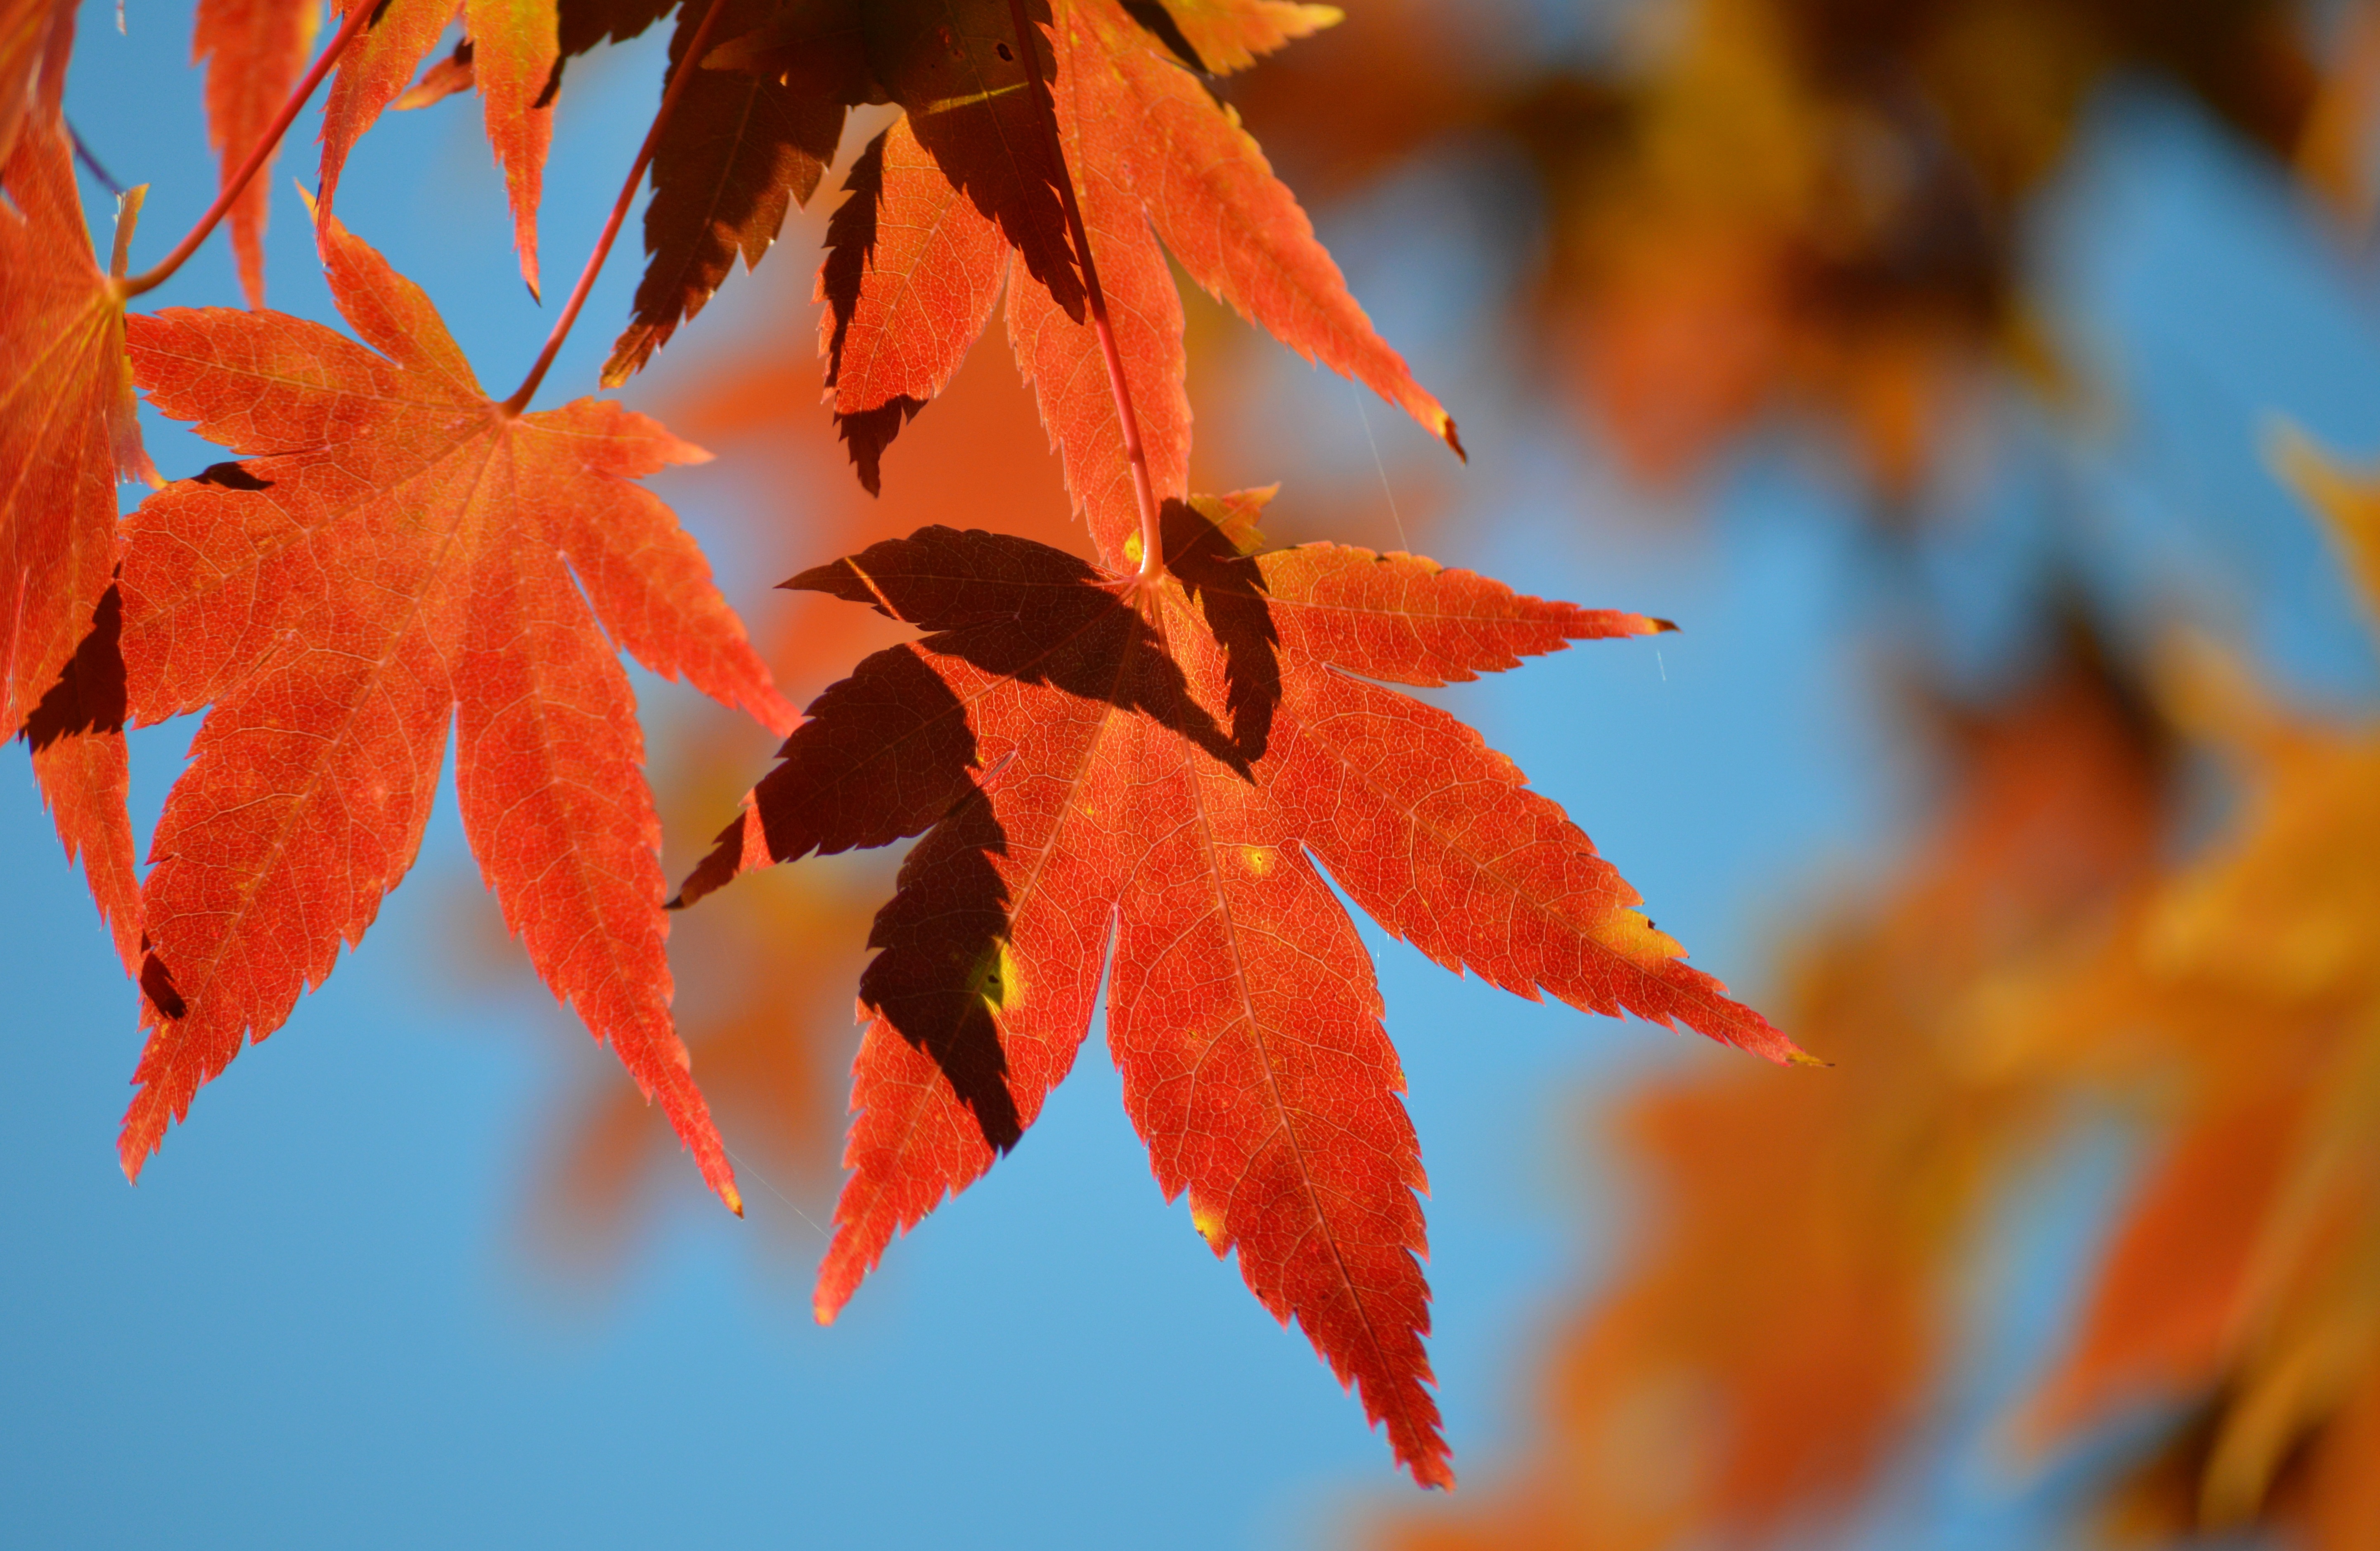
{"x":1629,"y":932}
{"x":997,"y":979}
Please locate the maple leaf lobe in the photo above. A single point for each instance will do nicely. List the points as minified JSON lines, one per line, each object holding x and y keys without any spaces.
{"x":911,"y":274}
{"x":36,"y":41}
{"x":254,"y":50}
{"x":443,"y":79}
{"x":740,"y":148}
{"x":68,"y":434}
{"x":1221,"y":36}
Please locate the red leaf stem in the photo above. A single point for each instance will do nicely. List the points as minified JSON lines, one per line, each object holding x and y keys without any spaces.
{"x":237,"y":183}
{"x":687,"y":65}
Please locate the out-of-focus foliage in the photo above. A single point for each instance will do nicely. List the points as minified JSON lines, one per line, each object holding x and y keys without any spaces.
{"x":1804,"y":204}
{"x":2243,"y":991}
{"x":2334,"y":151}
{"x":1775,"y":1330}
{"x":1772,"y":1340}
{"x":1824,"y":205}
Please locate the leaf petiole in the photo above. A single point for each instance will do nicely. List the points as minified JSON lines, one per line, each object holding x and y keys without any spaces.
{"x":1152,"y":547}
{"x":687,"y":64}
{"x":357,"y":19}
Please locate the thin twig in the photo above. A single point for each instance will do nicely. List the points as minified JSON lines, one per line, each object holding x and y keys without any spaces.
{"x":357,"y":19}
{"x":689,"y":62}
{"x":82,"y":154}
{"x":1152,"y":546}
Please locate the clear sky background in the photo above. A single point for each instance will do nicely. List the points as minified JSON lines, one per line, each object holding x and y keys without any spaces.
{"x":317,"y":1321}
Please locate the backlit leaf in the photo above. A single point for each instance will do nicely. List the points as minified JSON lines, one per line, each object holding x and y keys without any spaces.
{"x":394,"y":552}
{"x":67,"y":437}
{"x":1151,"y":155}
{"x":1154,"y":792}
{"x":1227,"y":35}
{"x":739,"y":149}
{"x":36,"y":40}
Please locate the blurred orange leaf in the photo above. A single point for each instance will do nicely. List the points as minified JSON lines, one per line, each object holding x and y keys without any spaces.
{"x":1780,"y":1322}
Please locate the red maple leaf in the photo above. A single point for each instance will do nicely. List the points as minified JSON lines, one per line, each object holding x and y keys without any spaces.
{"x":67,"y":436}
{"x":959,"y":201}
{"x":1148,"y":791}
{"x":396,"y":550}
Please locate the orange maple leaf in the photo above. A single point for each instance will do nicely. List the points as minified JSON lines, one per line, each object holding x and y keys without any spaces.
{"x":765,"y":970}
{"x":395,"y":549}
{"x":1160,"y":788}
{"x":759,"y":120}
